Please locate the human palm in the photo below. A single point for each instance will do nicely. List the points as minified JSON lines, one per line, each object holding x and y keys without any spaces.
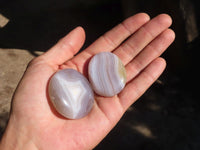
{"x":32,"y":112}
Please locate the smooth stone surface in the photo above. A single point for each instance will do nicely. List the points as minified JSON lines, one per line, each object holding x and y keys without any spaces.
{"x":71,"y":94}
{"x":107,"y":74}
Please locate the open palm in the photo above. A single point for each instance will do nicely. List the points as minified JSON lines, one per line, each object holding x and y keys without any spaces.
{"x":35,"y":118}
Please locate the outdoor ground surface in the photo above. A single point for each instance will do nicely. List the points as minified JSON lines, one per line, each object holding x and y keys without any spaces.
{"x":166,"y":117}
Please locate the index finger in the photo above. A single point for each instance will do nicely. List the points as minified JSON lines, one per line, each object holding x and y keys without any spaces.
{"x":111,"y":39}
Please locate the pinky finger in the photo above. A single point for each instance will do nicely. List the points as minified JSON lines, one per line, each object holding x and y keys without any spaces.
{"x":135,"y":88}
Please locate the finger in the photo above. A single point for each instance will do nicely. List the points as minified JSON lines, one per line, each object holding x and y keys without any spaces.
{"x":128,"y":50}
{"x":141,"y":83}
{"x":111,"y":39}
{"x":66,"y":48}
{"x":115,"y":36}
{"x":150,"y":52}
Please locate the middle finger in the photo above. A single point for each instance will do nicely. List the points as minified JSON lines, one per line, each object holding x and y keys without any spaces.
{"x":138,"y":41}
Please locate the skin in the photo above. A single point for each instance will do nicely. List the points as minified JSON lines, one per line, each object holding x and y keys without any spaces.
{"x":34,"y":124}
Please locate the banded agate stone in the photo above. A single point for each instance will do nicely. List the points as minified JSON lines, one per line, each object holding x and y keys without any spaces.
{"x":71,"y":94}
{"x":107,"y":74}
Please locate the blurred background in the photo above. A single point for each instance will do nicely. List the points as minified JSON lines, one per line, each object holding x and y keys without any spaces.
{"x":166,"y":117}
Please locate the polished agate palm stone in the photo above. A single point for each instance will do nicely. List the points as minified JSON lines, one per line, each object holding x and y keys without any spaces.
{"x":71,"y":94}
{"x":107,"y":74}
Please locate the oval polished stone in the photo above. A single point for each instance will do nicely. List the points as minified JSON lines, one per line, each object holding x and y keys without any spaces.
{"x":71,"y":93}
{"x":107,"y":74}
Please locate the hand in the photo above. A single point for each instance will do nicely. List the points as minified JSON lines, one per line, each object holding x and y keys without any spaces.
{"x":34,"y":123}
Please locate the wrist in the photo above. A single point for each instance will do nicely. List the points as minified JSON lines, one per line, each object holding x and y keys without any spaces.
{"x":16,"y":137}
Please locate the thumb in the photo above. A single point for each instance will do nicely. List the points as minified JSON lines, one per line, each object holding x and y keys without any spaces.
{"x":66,"y":47}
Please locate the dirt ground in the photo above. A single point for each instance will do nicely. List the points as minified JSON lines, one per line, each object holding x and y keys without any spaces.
{"x":166,"y":117}
{"x":13,"y":63}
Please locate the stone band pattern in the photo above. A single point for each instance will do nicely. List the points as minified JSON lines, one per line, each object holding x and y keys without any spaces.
{"x":71,"y":93}
{"x":107,"y":74}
